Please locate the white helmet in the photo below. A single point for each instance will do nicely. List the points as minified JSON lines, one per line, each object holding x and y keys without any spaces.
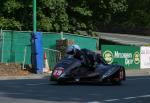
{"x":72,"y":49}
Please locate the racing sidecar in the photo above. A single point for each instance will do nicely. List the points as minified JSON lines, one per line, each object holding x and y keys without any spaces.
{"x":71,"y":69}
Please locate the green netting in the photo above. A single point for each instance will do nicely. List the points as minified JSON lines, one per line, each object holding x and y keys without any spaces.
{"x":1,"y":42}
{"x":13,"y":45}
{"x":49,"y":40}
{"x":83,"y":41}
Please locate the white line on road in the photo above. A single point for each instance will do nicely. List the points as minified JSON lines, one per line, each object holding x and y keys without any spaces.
{"x":110,"y":100}
{"x":37,"y":84}
{"x":127,"y":98}
{"x":144,"y":96}
{"x":94,"y":102}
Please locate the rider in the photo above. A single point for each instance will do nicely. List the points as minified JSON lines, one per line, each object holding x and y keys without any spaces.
{"x":88,"y":57}
{"x":74,"y":50}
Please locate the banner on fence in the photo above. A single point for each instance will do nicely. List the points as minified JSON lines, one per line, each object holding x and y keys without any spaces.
{"x":128,"y":56}
{"x":145,"y":57}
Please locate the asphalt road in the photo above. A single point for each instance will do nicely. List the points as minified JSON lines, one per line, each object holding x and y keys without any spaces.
{"x":135,"y":89}
{"x":126,"y":39}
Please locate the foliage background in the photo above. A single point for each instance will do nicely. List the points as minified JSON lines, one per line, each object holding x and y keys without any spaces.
{"x":123,"y":16}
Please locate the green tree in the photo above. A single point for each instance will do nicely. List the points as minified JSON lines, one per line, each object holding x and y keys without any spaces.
{"x":59,"y":15}
{"x":8,"y":14}
{"x":90,"y":14}
{"x":138,"y":13}
{"x":52,"y":15}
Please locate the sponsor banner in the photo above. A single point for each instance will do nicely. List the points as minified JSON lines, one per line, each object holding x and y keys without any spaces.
{"x":145,"y":57}
{"x":128,"y":56}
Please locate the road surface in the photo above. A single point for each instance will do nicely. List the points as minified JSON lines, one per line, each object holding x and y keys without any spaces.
{"x":126,"y":39}
{"x":136,"y":89}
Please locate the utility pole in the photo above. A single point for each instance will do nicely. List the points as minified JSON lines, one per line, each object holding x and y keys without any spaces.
{"x":34,"y":16}
{"x":36,"y":46}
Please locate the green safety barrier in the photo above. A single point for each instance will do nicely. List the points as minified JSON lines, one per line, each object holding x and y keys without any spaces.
{"x":15,"y":46}
{"x":49,"y":40}
{"x":128,"y":56}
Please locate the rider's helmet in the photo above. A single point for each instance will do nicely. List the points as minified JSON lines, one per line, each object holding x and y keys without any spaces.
{"x":72,"y":49}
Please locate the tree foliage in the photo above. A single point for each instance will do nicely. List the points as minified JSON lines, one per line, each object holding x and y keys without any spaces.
{"x":138,"y":13}
{"x":52,"y":15}
{"x":73,"y":15}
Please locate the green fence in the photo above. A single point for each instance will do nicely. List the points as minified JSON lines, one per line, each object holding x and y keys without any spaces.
{"x":15,"y":46}
{"x":128,"y":56}
{"x":49,"y":40}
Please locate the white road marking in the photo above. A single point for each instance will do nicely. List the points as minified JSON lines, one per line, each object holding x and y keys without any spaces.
{"x":144,"y":96}
{"x":37,"y":84}
{"x":110,"y":100}
{"x":94,"y":102}
{"x":129,"y":97}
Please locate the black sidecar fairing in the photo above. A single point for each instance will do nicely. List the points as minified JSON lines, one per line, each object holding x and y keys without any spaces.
{"x":65,"y":69}
{"x":109,"y":72}
{"x":71,"y":69}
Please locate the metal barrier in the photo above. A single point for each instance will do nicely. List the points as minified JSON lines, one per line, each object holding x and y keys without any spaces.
{"x":53,"y":56}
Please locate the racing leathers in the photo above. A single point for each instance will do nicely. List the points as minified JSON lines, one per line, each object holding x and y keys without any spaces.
{"x":88,"y":58}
